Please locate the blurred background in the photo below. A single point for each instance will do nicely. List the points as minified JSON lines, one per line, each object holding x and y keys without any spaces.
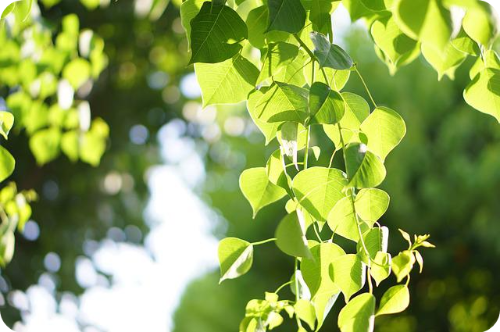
{"x":131,"y":245}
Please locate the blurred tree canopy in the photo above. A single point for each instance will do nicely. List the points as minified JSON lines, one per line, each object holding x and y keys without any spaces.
{"x":443,"y":177}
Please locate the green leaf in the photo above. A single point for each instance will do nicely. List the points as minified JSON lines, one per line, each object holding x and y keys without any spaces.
{"x":330,"y":55}
{"x":258,"y":19}
{"x":286,"y":15}
{"x":356,"y":111}
{"x":342,"y":220}
{"x":349,"y":274}
{"x":318,"y":189}
{"x":489,"y":59}
{"x":358,"y":314}
{"x":392,"y":41}
{"x":381,"y":267}
{"x":325,"y":105}
{"x":376,"y":240}
{"x":464,"y":43}
{"x":216,"y":33}
{"x":385,"y":129}
{"x":188,"y":10}
{"x":316,"y":270}
{"x":290,"y":235}
{"x":395,"y":299}
{"x":424,"y":20}
{"x":402,"y":264}
{"x":280,"y":102}
{"x":6,"y":123}
{"x":93,"y":142}
{"x":45,"y":145}
{"x":375,"y":5}
{"x":364,"y":169}
{"x":257,"y":97}
{"x":371,"y":204}
{"x":77,"y":72}
{"x":305,"y":311}
{"x":227,"y":82}
{"x":70,"y":144}
{"x":357,"y":10}
{"x":320,"y":15}
{"x":7,"y":8}
{"x":480,"y":23}
{"x":7,"y":246}
{"x":275,"y":171}
{"x":7,"y":163}
{"x":235,"y":258}
{"x":277,"y":57}
{"x":258,"y":190}
{"x":446,"y":62}
{"x":483,"y":93}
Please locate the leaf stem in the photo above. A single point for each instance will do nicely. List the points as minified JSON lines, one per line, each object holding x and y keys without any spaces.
{"x":306,"y":156}
{"x":283,"y":286}
{"x":263,"y":241}
{"x":364,"y":84}
{"x":315,"y":225}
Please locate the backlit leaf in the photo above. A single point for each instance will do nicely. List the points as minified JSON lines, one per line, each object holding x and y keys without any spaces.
{"x":395,"y":299}
{"x":318,"y":189}
{"x":328,"y":54}
{"x":325,"y":105}
{"x":290,"y":235}
{"x":371,"y":204}
{"x":235,"y":257}
{"x":364,"y":169}
{"x":286,"y":15}
{"x":349,"y":274}
{"x":258,"y":190}
{"x":215,"y":33}
{"x":483,"y":93}
{"x":358,"y":314}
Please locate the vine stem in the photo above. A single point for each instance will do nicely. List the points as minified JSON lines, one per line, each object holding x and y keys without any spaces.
{"x":364,"y":84}
{"x":263,"y":241}
{"x":351,"y":196}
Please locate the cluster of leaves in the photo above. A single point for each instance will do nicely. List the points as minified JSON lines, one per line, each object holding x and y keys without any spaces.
{"x":40,"y":75}
{"x":298,"y":89}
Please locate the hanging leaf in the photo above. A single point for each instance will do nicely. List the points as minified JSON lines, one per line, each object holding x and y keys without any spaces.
{"x":227,"y":82}
{"x":481,"y":24}
{"x":188,"y":10}
{"x":235,"y":258}
{"x":290,"y":235}
{"x":395,"y":299}
{"x":330,"y":55}
{"x":289,"y":139}
{"x":402,"y":264}
{"x":391,"y":40}
{"x":286,"y":15}
{"x":45,"y":145}
{"x":375,"y":240}
{"x":316,"y":272}
{"x":356,"y":111}
{"x":275,"y":171}
{"x":325,"y":105}
{"x":465,"y":44}
{"x":7,"y":163}
{"x":358,"y":314}
{"x":305,"y":311}
{"x":318,"y":189}
{"x":385,"y":129}
{"x":280,"y":102}
{"x":321,"y":15}
{"x":381,"y":267}
{"x":446,"y":62}
{"x":483,"y":93}
{"x":364,"y":169}
{"x":77,"y":72}
{"x":349,"y":274}
{"x":6,"y":123}
{"x":342,"y":220}
{"x":371,"y":204}
{"x":216,"y":32}
{"x":258,"y":190}
{"x":277,"y":57}
{"x":424,"y":20}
